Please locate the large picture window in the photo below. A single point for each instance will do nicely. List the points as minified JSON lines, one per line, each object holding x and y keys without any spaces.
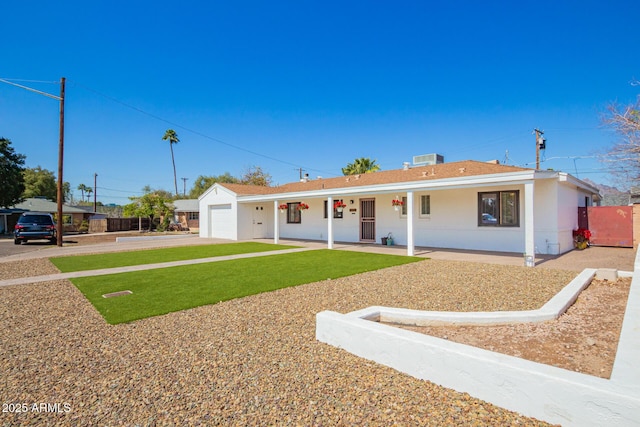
{"x":293,"y":213}
{"x":499,"y":209}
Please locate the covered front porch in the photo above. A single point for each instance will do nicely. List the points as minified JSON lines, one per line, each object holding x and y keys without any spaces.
{"x":427,"y":217}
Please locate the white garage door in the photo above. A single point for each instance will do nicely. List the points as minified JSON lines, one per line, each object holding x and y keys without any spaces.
{"x":222,"y":223}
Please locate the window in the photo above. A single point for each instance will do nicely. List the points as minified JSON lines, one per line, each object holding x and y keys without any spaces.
{"x":193,"y":216}
{"x":336,"y":214}
{"x":293,"y":213}
{"x":425,"y":205}
{"x":499,"y":208}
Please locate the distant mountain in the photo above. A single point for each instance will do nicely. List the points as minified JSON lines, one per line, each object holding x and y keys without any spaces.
{"x":611,"y":196}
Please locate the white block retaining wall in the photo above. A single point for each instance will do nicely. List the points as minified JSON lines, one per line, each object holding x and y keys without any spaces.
{"x":533,"y":389}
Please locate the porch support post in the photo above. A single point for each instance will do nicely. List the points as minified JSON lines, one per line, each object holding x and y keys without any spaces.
{"x":410,"y":241}
{"x":330,"y":222}
{"x":276,"y":223}
{"x":529,"y":238}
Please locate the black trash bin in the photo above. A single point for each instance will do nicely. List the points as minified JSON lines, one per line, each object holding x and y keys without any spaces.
{"x":384,"y":241}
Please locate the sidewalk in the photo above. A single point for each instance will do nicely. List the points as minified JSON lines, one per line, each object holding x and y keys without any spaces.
{"x":594,"y":257}
{"x":142,"y":267}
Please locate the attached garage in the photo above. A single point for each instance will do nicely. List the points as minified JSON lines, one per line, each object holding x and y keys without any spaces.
{"x":222,"y":222}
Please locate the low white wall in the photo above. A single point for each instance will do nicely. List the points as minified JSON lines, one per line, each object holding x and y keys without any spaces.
{"x":545,"y":392}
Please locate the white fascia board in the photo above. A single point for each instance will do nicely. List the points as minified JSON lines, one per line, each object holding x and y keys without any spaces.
{"x":215,"y":187}
{"x":401,"y":187}
{"x":565,"y":177}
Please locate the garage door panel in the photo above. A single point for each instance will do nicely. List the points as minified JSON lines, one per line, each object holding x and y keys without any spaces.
{"x":222,"y":221}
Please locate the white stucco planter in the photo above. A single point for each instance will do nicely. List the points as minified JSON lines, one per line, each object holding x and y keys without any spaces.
{"x":545,"y":392}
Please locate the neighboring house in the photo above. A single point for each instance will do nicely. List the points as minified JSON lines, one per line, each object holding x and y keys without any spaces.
{"x":90,"y":213}
{"x":8,"y":218}
{"x":71,"y":215}
{"x":462,"y":205}
{"x":186,"y":213}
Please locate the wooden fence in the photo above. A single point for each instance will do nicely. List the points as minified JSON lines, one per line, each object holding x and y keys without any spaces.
{"x":117,"y":224}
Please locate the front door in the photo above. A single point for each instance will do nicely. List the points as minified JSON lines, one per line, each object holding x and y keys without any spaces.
{"x":368,"y":220}
{"x":258,"y":223}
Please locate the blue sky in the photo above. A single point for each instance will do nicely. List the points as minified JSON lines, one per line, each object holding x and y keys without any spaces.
{"x":311,"y":85}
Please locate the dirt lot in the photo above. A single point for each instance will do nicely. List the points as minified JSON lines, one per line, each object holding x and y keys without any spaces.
{"x":584,"y":339}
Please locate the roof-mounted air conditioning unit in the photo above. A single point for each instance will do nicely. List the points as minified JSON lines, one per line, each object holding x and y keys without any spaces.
{"x":428,"y":159}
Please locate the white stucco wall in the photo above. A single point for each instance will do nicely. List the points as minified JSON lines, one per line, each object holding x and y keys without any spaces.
{"x":452,"y":223}
{"x":546,"y":218}
{"x":250,"y":215}
{"x":218,"y":198}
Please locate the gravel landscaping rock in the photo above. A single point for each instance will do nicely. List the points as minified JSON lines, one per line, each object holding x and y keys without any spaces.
{"x":250,"y":361}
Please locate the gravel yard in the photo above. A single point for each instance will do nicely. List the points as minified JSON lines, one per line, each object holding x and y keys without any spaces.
{"x":251,"y":361}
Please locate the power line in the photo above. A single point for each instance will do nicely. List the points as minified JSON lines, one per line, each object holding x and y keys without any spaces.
{"x":30,"y":81}
{"x":195,"y":132}
{"x":121,"y":191}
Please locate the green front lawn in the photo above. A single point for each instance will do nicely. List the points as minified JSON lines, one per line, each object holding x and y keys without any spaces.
{"x":167,"y":290}
{"x":152,"y":256}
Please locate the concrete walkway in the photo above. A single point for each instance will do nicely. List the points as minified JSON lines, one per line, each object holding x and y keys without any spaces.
{"x":127,"y":269}
{"x":622,"y":259}
{"x":594,"y":257}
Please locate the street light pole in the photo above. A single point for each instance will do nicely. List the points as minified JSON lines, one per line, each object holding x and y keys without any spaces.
{"x":60,"y":224}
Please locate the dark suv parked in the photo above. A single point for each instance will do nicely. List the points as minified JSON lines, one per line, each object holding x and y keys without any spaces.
{"x":32,"y":225}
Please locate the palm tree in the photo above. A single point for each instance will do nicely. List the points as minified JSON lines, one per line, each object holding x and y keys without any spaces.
{"x":172,"y":136}
{"x":361,"y":165}
{"x":89,"y":190}
{"x":82,"y":189}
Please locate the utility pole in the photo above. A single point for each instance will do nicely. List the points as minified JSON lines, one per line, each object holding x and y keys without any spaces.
{"x":540,"y":145}
{"x":184,"y":186}
{"x":95,"y":192}
{"x":59,"y":195}
{"x":60,"y":164}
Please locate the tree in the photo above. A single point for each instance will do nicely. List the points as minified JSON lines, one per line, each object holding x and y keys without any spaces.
{"x":202,"y":183}
{"x":150,"y":205}
{"x":163,"y":193}
{"x":624,"y":120}
{"x":89,"y":190}
{"x":66,"y":191}
{"x":256,"y":176}
{"x":361,"y":165}
{"x":40,"y":182}
{"x":82,"y":189}
{"x":172,"y":136}
{"x":11,"y":175}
